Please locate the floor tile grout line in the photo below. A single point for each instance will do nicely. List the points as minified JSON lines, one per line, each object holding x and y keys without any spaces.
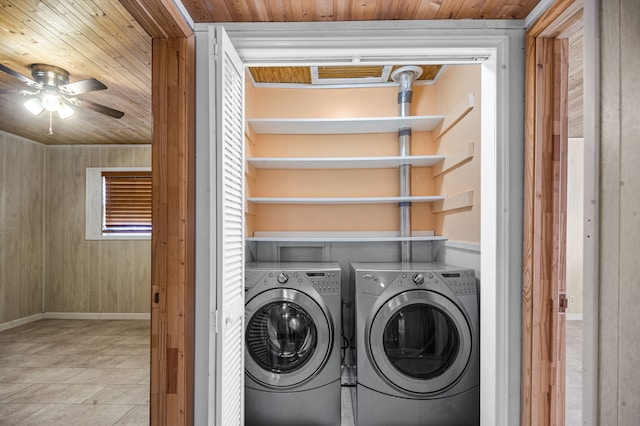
{"x":124,"y":415}
{"x":130,"y":336}
{"x":39,"y":409}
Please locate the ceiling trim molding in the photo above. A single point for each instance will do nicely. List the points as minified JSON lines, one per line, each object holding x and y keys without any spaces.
{"x":159,"y":18}
{"x":537,"y":12}
{"x":185,"y":13}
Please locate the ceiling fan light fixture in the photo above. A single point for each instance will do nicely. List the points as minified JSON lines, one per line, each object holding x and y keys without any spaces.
{"x":65,"y":111}
{"x":51,"y":102}
{"x":54,"y":93}
{"x":34,"y":105}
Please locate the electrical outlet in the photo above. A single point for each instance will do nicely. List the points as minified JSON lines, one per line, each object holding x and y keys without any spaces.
{"x":572,"y":300}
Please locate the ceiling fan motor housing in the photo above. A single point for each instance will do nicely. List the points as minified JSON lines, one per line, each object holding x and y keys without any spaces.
{"x":49,"y":75}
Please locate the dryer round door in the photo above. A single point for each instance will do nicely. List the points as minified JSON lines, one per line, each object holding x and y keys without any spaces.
{"x":420,"y":341}
{"x":289,"y":336}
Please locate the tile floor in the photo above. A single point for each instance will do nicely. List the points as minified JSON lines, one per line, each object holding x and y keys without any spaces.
{"x":75,"y":372}
{"x":94,"y":372}
{"x":573,"y":374}
{"x":83,"y":372}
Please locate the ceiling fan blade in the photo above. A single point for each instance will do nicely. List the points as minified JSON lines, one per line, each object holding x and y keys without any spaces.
{"x":95,"y":107}
{"x":17,"y":92}
{"x":10,"y":92}
{"x":22,"y":78}
{"x":82,"y":86}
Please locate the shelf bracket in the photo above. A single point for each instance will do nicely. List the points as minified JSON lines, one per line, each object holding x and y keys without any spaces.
{"x":463,"y":200}
{"x":461,"y":156}
{"x":455,"y":115}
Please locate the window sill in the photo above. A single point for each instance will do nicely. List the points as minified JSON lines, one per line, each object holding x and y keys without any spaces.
{"x":119,"y":237}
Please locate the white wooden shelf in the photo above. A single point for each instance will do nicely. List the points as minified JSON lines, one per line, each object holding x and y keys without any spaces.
{"x":342,"y":236}
{"x":344,"y":200}
{"x":438,"y":124}
{"x":343,"y":239}
{"x":345,"y":162}
{"x":335,"y":126}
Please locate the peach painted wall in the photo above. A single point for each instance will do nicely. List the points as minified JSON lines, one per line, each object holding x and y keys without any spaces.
{"x":340,"y":103}
{"x":250,"y":151}
{"x":452,"y":87}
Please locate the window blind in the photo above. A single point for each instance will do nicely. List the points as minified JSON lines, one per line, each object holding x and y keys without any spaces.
{"x":126,"y":202}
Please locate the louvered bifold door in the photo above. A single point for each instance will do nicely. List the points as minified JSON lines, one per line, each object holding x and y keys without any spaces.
{"x":228,"y":135}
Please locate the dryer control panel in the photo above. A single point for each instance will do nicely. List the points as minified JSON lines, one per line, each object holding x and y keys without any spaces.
{"x":462,"y":283}
{"x":326,"y":282}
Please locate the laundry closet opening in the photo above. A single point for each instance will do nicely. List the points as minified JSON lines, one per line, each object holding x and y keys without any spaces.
{"x":321,"y":185}
{"x":339,"y":159}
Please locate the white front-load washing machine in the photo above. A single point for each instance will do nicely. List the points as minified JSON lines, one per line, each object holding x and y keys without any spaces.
{"x":292,"y":341}
{"x":417,"y":344}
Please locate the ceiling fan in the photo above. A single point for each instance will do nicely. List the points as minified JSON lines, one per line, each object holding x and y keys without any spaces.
{"x":51,"y":91}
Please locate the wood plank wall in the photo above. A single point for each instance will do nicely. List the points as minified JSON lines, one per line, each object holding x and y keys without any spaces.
{"x":619,"y":212}
{"x":90,"y":276}
{"x":21,"y":227}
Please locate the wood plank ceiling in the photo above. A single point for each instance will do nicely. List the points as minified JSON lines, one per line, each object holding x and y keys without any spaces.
{"x":100,"y":39}
{"x":97,"y":39}
{"x":354,"y":10}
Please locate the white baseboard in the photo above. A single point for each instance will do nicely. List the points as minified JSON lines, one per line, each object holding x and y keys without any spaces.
{"x":20,"y":321}
{"x":97,"y":316}
{"x":573,"y":317}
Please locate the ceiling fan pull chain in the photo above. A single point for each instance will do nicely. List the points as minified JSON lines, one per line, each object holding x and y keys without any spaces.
{"x":50,"y":123}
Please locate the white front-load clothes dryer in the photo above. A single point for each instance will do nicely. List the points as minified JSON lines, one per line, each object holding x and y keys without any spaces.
{"x":292,"y":344}
{"x":417,"y":330}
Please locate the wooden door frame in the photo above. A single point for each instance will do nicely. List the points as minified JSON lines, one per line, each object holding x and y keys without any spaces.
{"x":173,"y":197}
{"x":544,"y":216}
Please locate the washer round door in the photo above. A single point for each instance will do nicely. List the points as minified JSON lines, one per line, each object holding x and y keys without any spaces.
{"x":420,"y":341}
{"x":288,"y":339}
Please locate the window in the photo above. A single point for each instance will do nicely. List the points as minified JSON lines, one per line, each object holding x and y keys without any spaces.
{"x":118,"y":203}
{"x":126,"y":202}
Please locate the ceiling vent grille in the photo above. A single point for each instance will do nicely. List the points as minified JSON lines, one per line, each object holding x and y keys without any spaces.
{"x":351,"y":75}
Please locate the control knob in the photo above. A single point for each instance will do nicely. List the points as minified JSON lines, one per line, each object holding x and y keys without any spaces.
{"x":283,"y":278}
{"x":418,"y":279}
